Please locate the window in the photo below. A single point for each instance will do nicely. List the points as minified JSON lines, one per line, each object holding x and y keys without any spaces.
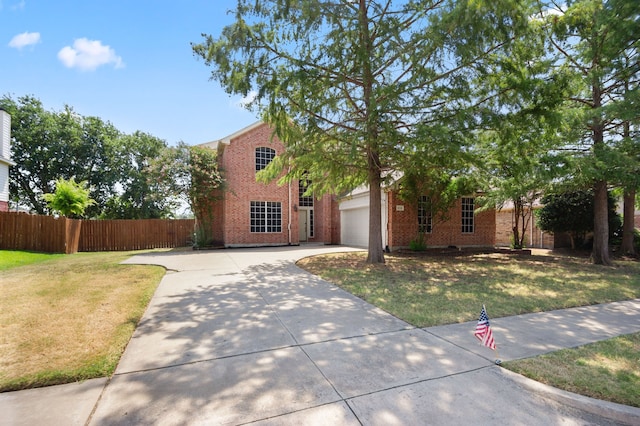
{"x":266,"y":216}
{"x":304,"y":200}
{"x":424,"y":215}
{"x":467,"y":215}
{"x":264,"y":155}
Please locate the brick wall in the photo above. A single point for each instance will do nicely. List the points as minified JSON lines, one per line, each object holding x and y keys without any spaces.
{"x":238,"y":164}
{"x":534,"y":237}
{"x":403,"y":227}
{"x":217,"y":229}
{"x":4,"y":206}
{"x":237,"y":160}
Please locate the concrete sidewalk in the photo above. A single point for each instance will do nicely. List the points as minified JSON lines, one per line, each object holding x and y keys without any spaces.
{"x":244,"y":336}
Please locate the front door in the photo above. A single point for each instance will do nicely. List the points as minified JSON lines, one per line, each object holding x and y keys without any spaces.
{"x":303,"y":216}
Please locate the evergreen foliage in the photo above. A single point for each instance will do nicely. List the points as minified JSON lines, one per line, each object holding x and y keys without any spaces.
{"x":573,"y":212}
{"x":362,"y":92}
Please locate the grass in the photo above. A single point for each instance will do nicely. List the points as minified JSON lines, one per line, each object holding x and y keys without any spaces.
{"x":607,"y":370}
{"x":429,"y":290}
{"x":12,"y":258}
{"x":435,"y":290}
{"x":69,"y":318}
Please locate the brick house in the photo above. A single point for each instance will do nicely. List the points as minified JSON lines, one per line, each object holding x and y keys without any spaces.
{"x":5,"y":158}
{"x":251,"y":213}
{"x":462,"y":228}
{"x":534,"y":236}
{"x":257,"y":214}
{"x":402,"y":222}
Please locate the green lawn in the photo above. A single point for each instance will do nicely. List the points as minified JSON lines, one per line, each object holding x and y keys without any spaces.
{"x":607,"y":370}
{"x":12,"y":258}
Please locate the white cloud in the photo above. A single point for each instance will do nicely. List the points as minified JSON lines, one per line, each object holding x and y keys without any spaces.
{"x":87,"y":55}
{"x":25,"y":39}
{"x":247,"y":100}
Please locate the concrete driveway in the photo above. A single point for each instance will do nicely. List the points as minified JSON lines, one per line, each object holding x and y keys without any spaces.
{"x":244,"y":336}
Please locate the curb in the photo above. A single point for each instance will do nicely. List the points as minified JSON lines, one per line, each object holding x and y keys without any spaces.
{"x":619,"y":413}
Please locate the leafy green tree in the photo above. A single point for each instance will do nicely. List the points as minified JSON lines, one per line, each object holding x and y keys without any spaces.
{"x":190,"y":175}
{"x":572,"y":212}
{"x":139,"y":197}
{"x":35,"y":145}
{"x":50,"y":145}
{"x":591,"y":39}
{"x":630,"y":145}
{"x":362,"y":91}
{"x":70,"y":198}
{"x":515,"y":149}
{"x":98,"y":157}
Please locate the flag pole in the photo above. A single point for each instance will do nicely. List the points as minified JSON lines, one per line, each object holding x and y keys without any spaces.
{"x":498,"y":360}
{"x":485,"y":335}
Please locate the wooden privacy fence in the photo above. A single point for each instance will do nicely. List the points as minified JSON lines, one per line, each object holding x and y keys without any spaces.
{"x":21,"y":231}
{"x":121,"y":235}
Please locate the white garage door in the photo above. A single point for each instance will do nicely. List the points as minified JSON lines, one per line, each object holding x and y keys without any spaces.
{"x":354,"y":224}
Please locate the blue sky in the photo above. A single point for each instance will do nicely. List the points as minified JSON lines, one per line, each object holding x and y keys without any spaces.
{"x":126,"y":61}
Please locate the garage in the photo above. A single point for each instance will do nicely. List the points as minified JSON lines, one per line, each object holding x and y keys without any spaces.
{"x":354,"y":226}
{"x":354,"y":218}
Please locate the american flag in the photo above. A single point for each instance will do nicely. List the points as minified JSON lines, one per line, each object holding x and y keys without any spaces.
{"x":483,"y":330}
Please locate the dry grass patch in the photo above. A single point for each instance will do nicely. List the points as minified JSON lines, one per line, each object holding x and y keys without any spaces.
{"x":69,"y":319}
{"x":428,"y":290}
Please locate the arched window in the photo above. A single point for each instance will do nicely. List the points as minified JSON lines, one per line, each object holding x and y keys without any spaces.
{"x":264,"y":155}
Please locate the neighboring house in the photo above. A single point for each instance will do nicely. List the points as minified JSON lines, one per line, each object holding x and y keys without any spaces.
{"x":5,"y":158}
{"x":403,"y":222}
{"x":251,"y":213}
{"x":534,"y":238}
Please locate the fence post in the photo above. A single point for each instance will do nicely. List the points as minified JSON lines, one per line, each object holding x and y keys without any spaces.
{"x":72,"y":235}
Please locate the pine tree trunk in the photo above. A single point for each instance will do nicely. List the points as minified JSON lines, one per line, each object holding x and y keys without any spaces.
{"x":628,"y":225}
{"x":376,"y":253}
{"x":600,"y":253}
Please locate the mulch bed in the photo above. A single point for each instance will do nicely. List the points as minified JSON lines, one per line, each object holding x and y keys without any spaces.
{"x":461,"y":252}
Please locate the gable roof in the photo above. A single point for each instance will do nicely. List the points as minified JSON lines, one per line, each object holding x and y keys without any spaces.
{"x":227,"y":139}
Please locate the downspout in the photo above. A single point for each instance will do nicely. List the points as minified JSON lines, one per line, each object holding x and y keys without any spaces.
{"x":385,"y":220}
{"x":290,"y":213}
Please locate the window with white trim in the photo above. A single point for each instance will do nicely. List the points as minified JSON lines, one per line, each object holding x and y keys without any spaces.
{"x":467,"y":215}
{"x":304,"y":200}
{"x":266,"y":216}
{"x":424,"y":215}
{"x":264,"y":155}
